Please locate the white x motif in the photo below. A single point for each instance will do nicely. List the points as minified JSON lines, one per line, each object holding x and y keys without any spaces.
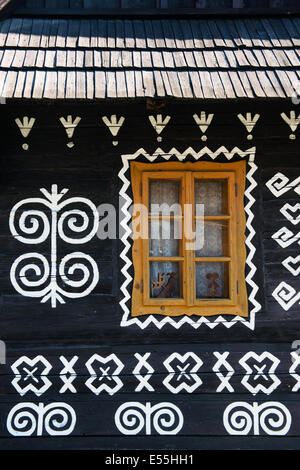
{"x":294,"y":366}
{"x":143,"y":379}
{"x":224,"y":379}
{"x":68,"y":374}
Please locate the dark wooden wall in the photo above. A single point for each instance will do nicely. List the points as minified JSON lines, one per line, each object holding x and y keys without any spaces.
{"x":91,"y":325}
{"x":60,"y":4}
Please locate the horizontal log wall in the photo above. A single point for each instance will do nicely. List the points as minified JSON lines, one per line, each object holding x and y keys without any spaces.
{"x":51,"y":352}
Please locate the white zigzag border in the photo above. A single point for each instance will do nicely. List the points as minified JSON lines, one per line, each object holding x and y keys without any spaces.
{"x":124,"y":212}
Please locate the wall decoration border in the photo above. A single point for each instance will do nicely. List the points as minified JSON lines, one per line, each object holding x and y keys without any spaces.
{"x":125,"y":218}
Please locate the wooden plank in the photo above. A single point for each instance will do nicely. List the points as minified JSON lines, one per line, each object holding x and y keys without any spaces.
{"x":80,"y":84}
{"x":111,"y":91}
{"x":111,"y":34}
{"x":24,"y":34}
{"x":159,"y":84}
{"x":30,"y":76}
{"x":266,"y":84}
{"x":179,"y":59}
{"x":255,"y":84}
{"x":18,"y":92}
{"x":137,"y":62}
{"x":18,"y":59}
{"x":89,"y":59}
{"x":184,"y":81}
{"x":157,"y":59}
{"x":140,"y":36}
{"x":219,"y":90}
{"x":61,"y":58}
{"x":285,"y":82}
{"x":115,"y":59}
{"x":120,"y":34}
{"x":5,"y":26}
{"x":38,"y":87}
{"x":130,"y":83}
{"x":127,"y":61}
{"x":158,"y":34}
{"x":177,"y":34}
{"x":44,"y":42}
{"x":283,"y":36}
{"x":206,"y":84}
{"x":40,"y":59}
{"x":49,"y":59}
{"x":237,"y":85}
{"x":53,"y":33}
{"x":166,"y":83}
{"x":10,"y":84}
{"x":146,"y":60}
{"x":12,"y":38}
{"x":291,"y":30}
{"x":3,"y":75}
{"x":199,"y":59}
{"x":168,"y":59}
{"x":102,"y":29}
{"x":139,"y":86}
{"x":148,"y":81}
{"x":7,"y":58}
{"x":225,"y":79}
{"x":84,"y":34}
{"x":62,"y":33}
{"x":50,"y":89}
{"x":71,"y":59}
{"x":189,"y":58}
{"x":97,"y":59}
{"x":210,"y":59}
{"x":73,"y":33}
{"x":224,"y":31}
{"x":79,"y":59}
{"x":100,"y":85}
{"x":168,"y":34}
{"x":217,"y":37}
{"x":71,"y":85}
{"x":149,"y":34}
{"x":129,"y":35}
{"x":197,"y":42}
{"x":90,"y":87}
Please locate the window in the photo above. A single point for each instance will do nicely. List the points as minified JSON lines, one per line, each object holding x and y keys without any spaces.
{"x":189,"y":250}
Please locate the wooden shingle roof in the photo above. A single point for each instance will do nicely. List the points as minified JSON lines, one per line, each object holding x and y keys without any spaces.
{"x":128,"y":58}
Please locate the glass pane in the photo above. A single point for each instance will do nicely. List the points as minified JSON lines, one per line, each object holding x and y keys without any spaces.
{"x":212,"y":280}
{"x":164,"y":237}
{"x":215,"y":240}
{"x":213,"y":194}
{"x":165,"y":280}
{"x":164,"y":193}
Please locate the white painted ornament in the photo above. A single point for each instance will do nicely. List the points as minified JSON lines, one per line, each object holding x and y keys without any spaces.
{"x":143,"y":378}
{"x":182,"y":372}
{"x":222,"y":363}
{"x":165,"y":418}
{"x":291,"y":212}
{"x":249,"y":122}
{"x":159,"y":123}
{"x":68,"y":374}
{"x":104,"y":373}
{"x":25,"y":126}
{"x":271,"y":418}
{"x":280,"y":184}
{"x":34,"y":227}
{"x":286,"y":295}
{"x":292,"y":121}
{"x":31,"y":375}
{"x":114,"y":124}
{"x":70,"y":126}
{"x":54,"y":419}
{"x":203,"y":121}
{"x":260,"y":372}
{"x":285,"y":237}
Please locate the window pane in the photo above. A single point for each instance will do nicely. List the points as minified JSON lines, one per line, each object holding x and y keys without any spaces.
{"x":215,"y":240}
{"x":164,"y":237}
{"x":164,"y":193}
{"x":212,"y":280}
{"x":213,"y":194}
{"x":165,"y":280}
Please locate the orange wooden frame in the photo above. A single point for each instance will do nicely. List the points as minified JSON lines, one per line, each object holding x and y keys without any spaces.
{"x":236,"y":303}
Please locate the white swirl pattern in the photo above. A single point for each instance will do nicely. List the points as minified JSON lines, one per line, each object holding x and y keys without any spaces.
{"x":54,"y":419}
{"x":273,"y":418}
{"x":34,"y":227}
{"x":132,"y":418}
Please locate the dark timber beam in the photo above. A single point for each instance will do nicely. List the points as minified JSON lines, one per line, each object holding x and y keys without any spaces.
{"x":167,"y":12}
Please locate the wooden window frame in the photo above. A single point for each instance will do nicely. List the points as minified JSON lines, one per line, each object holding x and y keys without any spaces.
{"x":237,"y":303}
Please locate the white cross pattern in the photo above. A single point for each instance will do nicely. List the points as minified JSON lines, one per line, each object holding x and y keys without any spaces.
{"x":224,"y":379}
{"x":68,"y":374}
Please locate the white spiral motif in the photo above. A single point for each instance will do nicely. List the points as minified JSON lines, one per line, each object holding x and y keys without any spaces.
{"x":133,"y":417}
{"x":130,"y":418}
{"x":241,"y":418}
{"x":238,"y":422}
{"x":20,"y":275}
{"x":167,"y":418}
{"x":59,"y":419}
{"x":78,"y":221}
{"x":30,"y":223}
{"x":55,"y":419}
{"x":23,"y":419}
{"x":275,"y":419}
{"x":65,"y":272}
{"x":34,"y":227}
